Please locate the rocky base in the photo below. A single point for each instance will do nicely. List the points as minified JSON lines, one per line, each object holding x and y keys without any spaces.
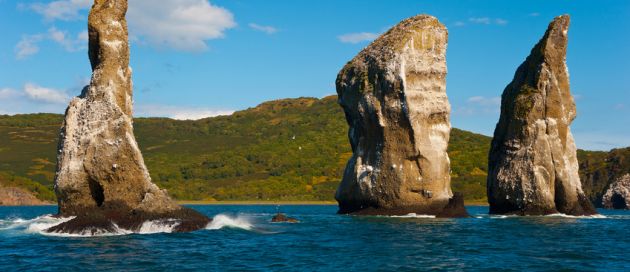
{"x":583,"y":208}
{"x":104,"y":218}
{"x":453,"y":209}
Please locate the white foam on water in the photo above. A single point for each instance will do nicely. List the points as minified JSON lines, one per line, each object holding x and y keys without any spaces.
{"x":222,"y":221}
{"x":413,"y":215}
{"x":562,"y":215}
{"x":159,"y":226}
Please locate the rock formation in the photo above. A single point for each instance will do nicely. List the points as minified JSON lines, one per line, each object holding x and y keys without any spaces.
{"x":533,"y":168}
{"x":618,"y":194}
{"x":394,"y":97}
{"x":101,"y":177}
{"x":283,"y":218}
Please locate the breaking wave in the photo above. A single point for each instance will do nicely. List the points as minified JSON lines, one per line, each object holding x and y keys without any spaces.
{"x":40,"y":224}
{"x":413,"y":215}
{"x":562,"y":215}
{"x":222,"y":221}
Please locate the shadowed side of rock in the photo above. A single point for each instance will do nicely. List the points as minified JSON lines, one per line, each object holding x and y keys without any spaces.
{"x":100,"y":170}
{"x":394,"y":97}
{"x":533,"y":168}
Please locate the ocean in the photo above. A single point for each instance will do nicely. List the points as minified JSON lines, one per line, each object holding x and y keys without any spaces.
{"x":242,"y":238}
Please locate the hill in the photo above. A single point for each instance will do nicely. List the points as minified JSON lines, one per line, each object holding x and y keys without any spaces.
{"x":289,"y":149}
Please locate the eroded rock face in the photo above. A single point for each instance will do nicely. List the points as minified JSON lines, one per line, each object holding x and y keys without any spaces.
{"x":533,"y":167}
{"x":618,"y":194}
{"x":394,"y":97}
{"x":101,"y":176}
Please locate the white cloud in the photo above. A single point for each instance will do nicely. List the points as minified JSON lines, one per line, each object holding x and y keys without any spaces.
{"x":479,"y":20}
{"x":485,"y":101}
{"x":479,"y":105}
{"x":6,"y":93}
{"x":46,"y":95}
{"x":357,"y":37}
{"x":262,"y":28}
{"x":71,"y":45}
{"x":459,"y":23}
{"x":28,"y":46}
{"x":534,"y":14}
{"x":500,"y":21}
{"x":179,"y":24}
{"x":487,"y":21}
{"x":177,"y":112}
{"x":64,"y":10}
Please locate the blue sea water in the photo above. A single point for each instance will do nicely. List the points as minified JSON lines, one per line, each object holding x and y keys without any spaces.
{"x":243,"y":239}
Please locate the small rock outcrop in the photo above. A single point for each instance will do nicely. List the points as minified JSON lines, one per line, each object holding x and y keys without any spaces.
{"x":394,"y":97}
{"x":101,"y":177}
{"x":533,"y":168}
{"x":618,"y":194}
{"x":283,"y":218}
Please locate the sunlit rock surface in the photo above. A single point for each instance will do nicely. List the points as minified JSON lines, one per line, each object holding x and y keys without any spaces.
{"x":101,"y":176}
{"x":394,"y":97}
{"x":533,"y":168}
{"x":618,"y":194}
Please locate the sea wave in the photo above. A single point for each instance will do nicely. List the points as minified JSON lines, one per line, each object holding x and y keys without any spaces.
{"x":562,"y":215}
{"x":226,"y":221}
{"x":413,"y":215}
{"x":41,"y":224}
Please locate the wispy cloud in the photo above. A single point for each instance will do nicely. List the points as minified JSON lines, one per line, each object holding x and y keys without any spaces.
{"x":183,"y":25}
{"x":487,"y":21}
{"x":28,"y":46}
{"x":534,"y":14}
{"x":459,"y":23}
{"x":6,"y":93}
{"x":262,"y":28}
{"x":479,"y":105}
{"x":485,"y":101}
{"x":65,"y":10}
{"x":500,"y":21}
{"x":68,"y":43}
{"x":45,"y":95}
{"x":355,"y":38}
{"x":178,"y":112}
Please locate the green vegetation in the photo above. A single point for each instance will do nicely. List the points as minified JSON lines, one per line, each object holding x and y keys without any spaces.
{"x":284,"y":150}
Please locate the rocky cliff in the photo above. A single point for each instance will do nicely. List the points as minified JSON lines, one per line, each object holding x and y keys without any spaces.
{"x":394,"y":97}
{"x":598,"y":170}
{"x":13,"y":196}
{"x":618,"y":194}
{"x":101,"y":177}
{"x":533,"y":167}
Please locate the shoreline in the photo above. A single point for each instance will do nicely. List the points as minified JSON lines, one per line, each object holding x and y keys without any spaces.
{"x":253,"y":202}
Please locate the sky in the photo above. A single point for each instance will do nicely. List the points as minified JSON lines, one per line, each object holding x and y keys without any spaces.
{"x":199,"y":58}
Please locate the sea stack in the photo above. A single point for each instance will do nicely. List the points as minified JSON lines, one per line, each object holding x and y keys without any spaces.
{"x":533,"y":167}
{"x":618,"y":194}
{"x":394,"y":97}
{"x":101,"y":178}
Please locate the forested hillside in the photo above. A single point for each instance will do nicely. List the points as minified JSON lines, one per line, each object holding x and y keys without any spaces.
{"x":290,"y":149}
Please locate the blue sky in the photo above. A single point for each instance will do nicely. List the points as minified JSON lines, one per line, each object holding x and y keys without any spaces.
{"x":194,"y":58}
